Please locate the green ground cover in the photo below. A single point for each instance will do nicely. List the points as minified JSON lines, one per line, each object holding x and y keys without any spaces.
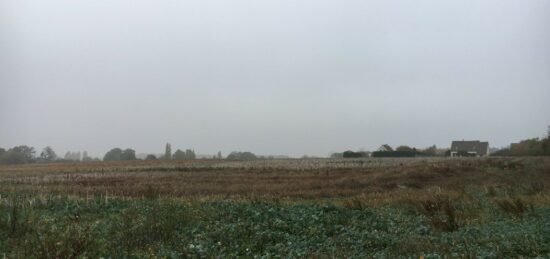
{"x":38,"y":226}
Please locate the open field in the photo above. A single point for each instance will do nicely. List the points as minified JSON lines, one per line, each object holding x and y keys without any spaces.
{"x":292,"y":179}
{"x":494,"y":207}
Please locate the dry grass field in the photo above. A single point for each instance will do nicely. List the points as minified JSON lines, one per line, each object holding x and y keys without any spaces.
{"x":314,"y":208}
{"x":281,"y":179}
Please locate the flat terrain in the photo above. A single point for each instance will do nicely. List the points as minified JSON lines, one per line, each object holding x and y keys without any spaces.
{"x":490,"y":207}
{"x":293,"y":179}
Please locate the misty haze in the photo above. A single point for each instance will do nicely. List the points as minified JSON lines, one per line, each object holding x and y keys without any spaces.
{"x":275,"y":128}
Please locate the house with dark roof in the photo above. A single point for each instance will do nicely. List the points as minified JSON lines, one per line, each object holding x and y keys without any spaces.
{"x":469,"y":148}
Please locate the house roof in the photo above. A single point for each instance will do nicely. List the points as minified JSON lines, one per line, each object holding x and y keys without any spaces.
{"x":470,"y":146}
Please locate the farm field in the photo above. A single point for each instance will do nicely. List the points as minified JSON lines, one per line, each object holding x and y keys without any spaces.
{"x":316,"y":208}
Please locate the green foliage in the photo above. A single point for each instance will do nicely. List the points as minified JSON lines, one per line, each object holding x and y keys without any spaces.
{"x":178,"y":155}
{"x":404,"y":148}
{"x":85,"y":157}
{"x":168,"y":151}
{"x":72,"y":156}
{"x":60,"y":227}
{"x":430,"y":151}
{"x":181,"y":155}
{"x":352,"y":154}
{"x":151,"y":157}
{"x":241,"y":156}
{"x":114,"y":154}
{"x":128,"y":154}
{"x":394,"y":154}
{"x":48,"y":154}
{"x":117,"y":154}
{"x":528,"y":147}
{"x":18,"y":155}
{"x":337,"y":155}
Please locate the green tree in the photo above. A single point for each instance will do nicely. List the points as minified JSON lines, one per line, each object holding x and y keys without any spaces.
{"x":241,"y":156}
{"x":385,"y":147}
{"x":404,"y":148}
{"x":18,"y":155}
{"x":184,"y":155}
{"x":72,"y":156}
{"x":85,"y":156}
{"x":114,"y":154}
{"x":151,"y":157}
{"x":430,"y":151}
{"x":168,"y":151}
{"x":10,"y":158}
{"x":48,"y":154}
{"x":128,"y":154}
{"x":27,"y":152}
{"x":337,"y":155}
{"x":179,"y":155}
{"x":546,"y":146}
{"x":528,"y":147}
{"x":190,"y":154}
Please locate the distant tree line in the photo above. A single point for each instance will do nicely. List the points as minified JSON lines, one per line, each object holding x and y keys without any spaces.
{"x":188,"y":154}
{"x":352,"y":154}
{"x":18,"y":155}
{"x":528,"y":147}
{"x":400,"y":151}
{"x":241,"y":156}
{"x":184,"y":155}
{"x":25,"y":155}
{"x":117,"y":154}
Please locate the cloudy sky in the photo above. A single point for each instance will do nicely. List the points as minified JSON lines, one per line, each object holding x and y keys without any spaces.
{"x":271,"y":77}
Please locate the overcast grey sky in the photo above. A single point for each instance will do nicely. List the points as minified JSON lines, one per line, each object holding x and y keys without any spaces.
{"x":271,"y":76}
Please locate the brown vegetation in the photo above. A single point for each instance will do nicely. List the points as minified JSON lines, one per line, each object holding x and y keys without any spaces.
{"x":375,"y":180}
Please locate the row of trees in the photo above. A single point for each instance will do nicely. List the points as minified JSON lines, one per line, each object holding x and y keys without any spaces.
{"x":188,"y":154}
{"x":117,"y":154}
{"x":406,"y":151}
{"x":76,"y":156}
{"x":241,"y":156}
{"x":528,"y":147}
{"x":25,"y":155}
{"x":18,"y":155}
{"x":429,"y":151}
{"x":388,"y":151}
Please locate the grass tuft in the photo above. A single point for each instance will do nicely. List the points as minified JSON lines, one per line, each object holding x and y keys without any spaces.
{"x":515,"y":207}
{"x":440,"y":213}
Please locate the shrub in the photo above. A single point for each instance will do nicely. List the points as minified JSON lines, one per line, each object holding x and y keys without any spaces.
{"x":517,"y":208}
{"x":358,"y":203}
{"x":440,"y":213}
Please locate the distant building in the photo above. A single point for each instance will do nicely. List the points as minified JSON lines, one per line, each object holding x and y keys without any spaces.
{"x":469,"y":148}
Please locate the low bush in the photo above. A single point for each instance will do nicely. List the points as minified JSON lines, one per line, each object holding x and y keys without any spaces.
{"x":440,"y":213}
{"x":515,"y":207}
